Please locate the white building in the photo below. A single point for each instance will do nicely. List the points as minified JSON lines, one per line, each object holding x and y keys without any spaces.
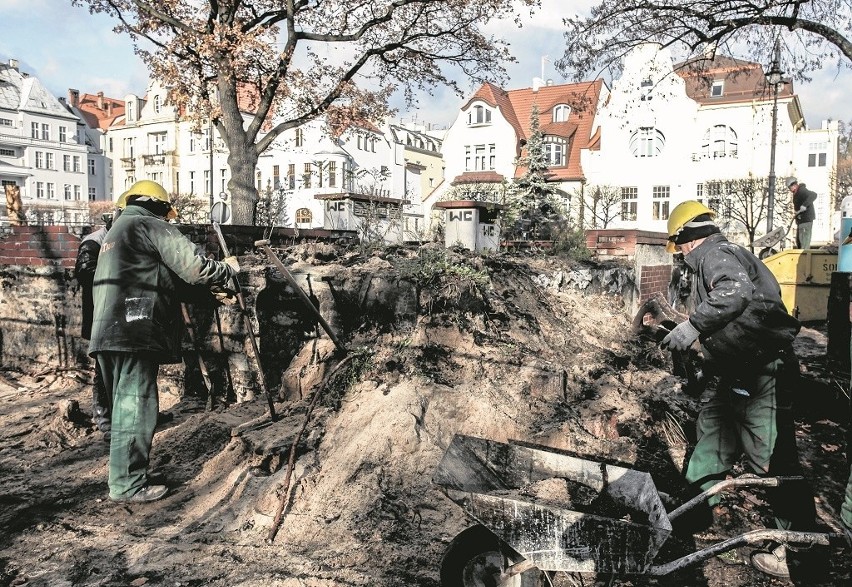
{"x":483,"y":146}
{"x":668,"y":137}
{"x":42,"y":150}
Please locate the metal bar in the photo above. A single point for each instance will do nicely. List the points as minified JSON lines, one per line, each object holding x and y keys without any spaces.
{"x":753,"y":537}
{"x":264,"y":244}
{"x":249,"y":328}
{"x":729,"y":483}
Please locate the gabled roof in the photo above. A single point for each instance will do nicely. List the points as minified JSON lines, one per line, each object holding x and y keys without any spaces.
{"x":100,"y":111}
{"x":744,"y":80}
{"x":19,"y":91}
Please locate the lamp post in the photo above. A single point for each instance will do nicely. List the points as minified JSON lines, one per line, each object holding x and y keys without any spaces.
{"x":773,"y":76}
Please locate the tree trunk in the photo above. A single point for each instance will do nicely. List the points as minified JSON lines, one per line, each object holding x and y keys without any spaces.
{"x":243,"y":163}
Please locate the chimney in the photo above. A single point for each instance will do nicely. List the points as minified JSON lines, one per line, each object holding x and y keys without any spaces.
{"x":537,"y":83}
{"x":100,"y":100}
{"x":73,"y":97}
{"x":109,"y":109}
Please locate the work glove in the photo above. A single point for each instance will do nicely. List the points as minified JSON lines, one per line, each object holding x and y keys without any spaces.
{"x":224,"y":296}
{"x":232,"y":263}
{"x":681,"y":337}
{"x":801,"y":209}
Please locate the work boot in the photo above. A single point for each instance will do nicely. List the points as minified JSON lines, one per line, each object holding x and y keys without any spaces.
{"x":147,"y":493}
{"x":772,"y":562}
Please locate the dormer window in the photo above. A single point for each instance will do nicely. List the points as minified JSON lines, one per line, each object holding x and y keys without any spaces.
{"x":478,"y":115}
{"x":717,"y":89}
{"x":647,"y":142}
{"x":129,"y":111}
{"x":645,"y":88}
{"x":157,"y":104}
{"x":561,"y":112}
{"x":555,"y":149}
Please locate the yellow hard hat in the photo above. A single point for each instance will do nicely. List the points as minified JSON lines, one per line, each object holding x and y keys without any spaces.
{"x":683,"y":213}
{"x":150,"y":189}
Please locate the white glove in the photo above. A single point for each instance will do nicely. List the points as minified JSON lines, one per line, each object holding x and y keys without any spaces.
{"x":681,"y":336}
{"x":801,"y":209}
{"x":232,"y":263}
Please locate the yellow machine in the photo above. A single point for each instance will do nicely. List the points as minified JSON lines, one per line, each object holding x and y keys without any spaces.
{"x":805,"y":279}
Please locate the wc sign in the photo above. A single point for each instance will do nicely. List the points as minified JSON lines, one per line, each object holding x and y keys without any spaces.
{"x":461,"y":215}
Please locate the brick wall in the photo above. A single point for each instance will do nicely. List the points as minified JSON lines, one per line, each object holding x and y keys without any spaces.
{"x":654,"y":279}
{"x":39,"y":246}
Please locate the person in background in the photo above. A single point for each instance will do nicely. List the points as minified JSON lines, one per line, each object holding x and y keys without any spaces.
{"x":803,"y":208}
{"x":746,"y":337}
{"x":144,"y":261}
{"x":84,"y":271}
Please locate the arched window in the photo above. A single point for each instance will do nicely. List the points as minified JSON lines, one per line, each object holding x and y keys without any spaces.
{"x":157,"y":103}
{"x":719,"y":141}
{"x":561,"y":112}
{"x":555,"y":150}
{"x":479,"y":115}
{"x":647,"y":142}
{"x":303,"y":216}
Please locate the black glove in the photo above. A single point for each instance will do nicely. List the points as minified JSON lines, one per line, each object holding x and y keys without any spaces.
{"x":87,"y":260}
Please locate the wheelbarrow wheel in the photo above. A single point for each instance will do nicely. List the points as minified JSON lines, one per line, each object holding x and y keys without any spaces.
{"x":475,"y":558}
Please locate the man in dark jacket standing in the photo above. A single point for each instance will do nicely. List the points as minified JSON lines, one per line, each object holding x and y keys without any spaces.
{"x":803,"y":208}
{"x":137,"y":324}
{"x":84,"y":271}
{"x":746,"y":337}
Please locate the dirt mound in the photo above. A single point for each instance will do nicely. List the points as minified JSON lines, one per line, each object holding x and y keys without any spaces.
{"x":496,"y":349}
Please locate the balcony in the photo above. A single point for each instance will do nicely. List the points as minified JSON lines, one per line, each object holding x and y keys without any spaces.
{"x":157,"y":159}
{"x":128,"y":162}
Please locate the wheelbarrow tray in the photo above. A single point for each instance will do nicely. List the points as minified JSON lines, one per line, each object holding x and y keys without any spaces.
{"x":553,"y":538}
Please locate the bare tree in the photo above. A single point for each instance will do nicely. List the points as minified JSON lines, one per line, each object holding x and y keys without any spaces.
{"x":841,"y":177}
{"x":603,"y":202}
{"x":297,"y":60}
{"x":814,"y":32}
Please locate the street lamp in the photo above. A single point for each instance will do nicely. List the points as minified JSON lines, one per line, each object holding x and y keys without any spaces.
{"x":773,"y":76}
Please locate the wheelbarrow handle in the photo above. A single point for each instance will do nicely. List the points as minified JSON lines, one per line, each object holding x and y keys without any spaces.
{"x":728,"y":484}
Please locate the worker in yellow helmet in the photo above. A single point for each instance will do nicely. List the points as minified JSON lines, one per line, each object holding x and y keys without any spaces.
{"x":137,"y":324}
{"x":746,"y":337}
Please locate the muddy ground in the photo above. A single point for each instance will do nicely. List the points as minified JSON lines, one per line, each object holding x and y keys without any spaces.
{"x":515,"y":358}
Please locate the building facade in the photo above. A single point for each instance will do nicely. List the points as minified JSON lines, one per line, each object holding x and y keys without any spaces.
{"x":43,"y":151}
{"x":703,"y":130}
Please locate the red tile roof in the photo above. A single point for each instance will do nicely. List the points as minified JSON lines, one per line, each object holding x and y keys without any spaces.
{"x":516,"y":106}
{"x":478,"y":177}
{"x":99,"y":110}
{"x":744,"y":80}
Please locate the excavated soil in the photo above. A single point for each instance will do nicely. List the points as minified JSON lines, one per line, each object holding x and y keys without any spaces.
{"x":518,"y":359}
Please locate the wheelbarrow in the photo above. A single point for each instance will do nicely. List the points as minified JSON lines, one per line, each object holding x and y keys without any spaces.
{"x":617,"y":525}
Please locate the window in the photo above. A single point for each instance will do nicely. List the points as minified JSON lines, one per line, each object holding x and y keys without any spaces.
{"x":647,"y":142}
{"x":207,"y":188}
{"x":561,"y":112}
{"x":129,"y":111}
{"x":6,"y":122}
{"x":110,"y":145}
{"x":291,"y":176}
{"x":63,"y":134}
{"x":554,"y":150}
{"x":660,"y":207}
{"x":206,"y":136}
{"x":719,"y":141}
{"x":303,"y":216}
{"x":39,"y":159}
{"x":818,"y":156}
{"x":259,"y":180}
{"x":77,"y":163}
{"x":479,"y":115}
{"x":93,"y":194}
{"x":157,"y":143}
{"x":192,"y":138}
{"x":91,"y":166}
{"x":816,"y":160}
{"x":191,"y":182}
{"x":332,"y":174}
{"x":7,"y":152}
{"x":300,"y":138}
{"x":48,"y":161}
{"x":66,"y":163}
{"x":34,"y":132}
{"x":40,"y":189}
{"x":276,"y":177}
{"x":223,"y":179}
{"x":45,"y":131}
{"x":128,"y":147}
{"x":306,"y":176}
{"x":629,"y":202}
{"x":157,"y":103}
{"x":716,"y":200}
{"x":717,"y":89}
{"x":51,"y":191}
{"x":67,"y":191}
{"x":77,"y":193}
{"x":645,"y":89}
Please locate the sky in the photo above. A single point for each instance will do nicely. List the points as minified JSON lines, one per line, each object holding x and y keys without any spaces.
{"x":66,"y":47}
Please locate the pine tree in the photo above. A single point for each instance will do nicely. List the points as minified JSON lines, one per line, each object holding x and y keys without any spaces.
{"x":532,"y":205}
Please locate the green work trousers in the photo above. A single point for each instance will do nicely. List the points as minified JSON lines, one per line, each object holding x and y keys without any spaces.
{"x":135,"y":404}
{"x":803,"y":235}
{"x":760,"y":427}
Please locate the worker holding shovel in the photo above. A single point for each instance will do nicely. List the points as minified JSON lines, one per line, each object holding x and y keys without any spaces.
{"x":746,"y":337}
{"x":137,"y":324}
